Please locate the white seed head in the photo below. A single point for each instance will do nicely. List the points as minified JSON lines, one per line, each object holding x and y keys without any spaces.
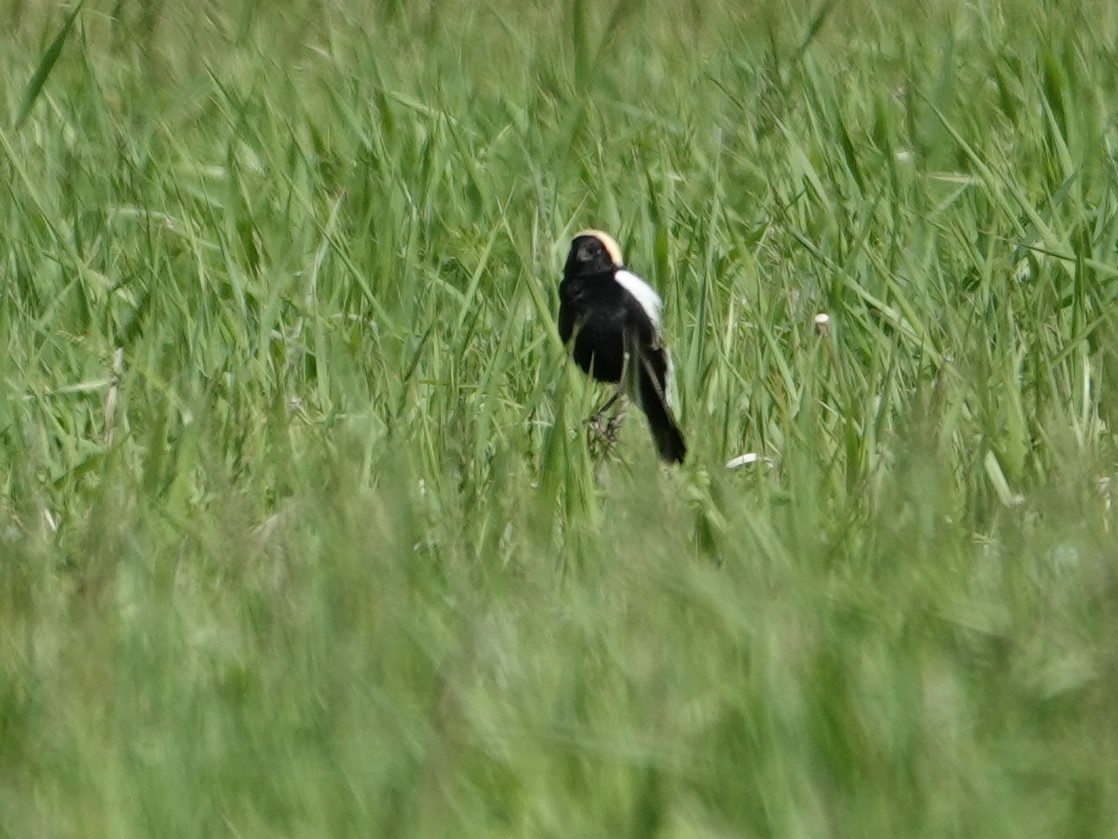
{"x":748,"y":458}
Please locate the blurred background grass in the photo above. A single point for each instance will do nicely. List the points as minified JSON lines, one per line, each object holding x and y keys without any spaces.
{"x":299,"y":530}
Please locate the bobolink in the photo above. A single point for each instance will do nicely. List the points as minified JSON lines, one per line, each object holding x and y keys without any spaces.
{"x":610,"y":319}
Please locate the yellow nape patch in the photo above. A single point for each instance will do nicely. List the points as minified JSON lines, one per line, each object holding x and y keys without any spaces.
{"x":608,"y":242}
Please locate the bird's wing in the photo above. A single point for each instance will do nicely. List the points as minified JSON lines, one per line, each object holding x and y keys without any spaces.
{"x":653,"y":382}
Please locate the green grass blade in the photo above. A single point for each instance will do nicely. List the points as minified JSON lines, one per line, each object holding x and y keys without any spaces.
{"x":46,"y":64}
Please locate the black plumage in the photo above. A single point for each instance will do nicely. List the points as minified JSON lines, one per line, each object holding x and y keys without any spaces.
{"x":610,"y":320}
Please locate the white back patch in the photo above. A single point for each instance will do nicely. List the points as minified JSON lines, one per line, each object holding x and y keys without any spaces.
{"x":644,"y":293}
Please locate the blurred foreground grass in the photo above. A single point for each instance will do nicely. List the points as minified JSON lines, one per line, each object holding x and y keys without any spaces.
{"x":299,"y":534}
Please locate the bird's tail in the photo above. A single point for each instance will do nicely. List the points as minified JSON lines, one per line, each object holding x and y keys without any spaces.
{"x":661,"y":420}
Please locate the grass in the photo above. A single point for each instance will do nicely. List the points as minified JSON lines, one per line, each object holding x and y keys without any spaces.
{"x":299,"y":530}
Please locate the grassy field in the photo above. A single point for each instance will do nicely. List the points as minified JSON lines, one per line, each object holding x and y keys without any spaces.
{"x":300,"y":531}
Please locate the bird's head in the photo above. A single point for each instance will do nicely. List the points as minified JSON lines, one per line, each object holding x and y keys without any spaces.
{"x":592,"y":252}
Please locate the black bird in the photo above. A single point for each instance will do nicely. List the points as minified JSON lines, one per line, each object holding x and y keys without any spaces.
{"x":610,"y":320}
